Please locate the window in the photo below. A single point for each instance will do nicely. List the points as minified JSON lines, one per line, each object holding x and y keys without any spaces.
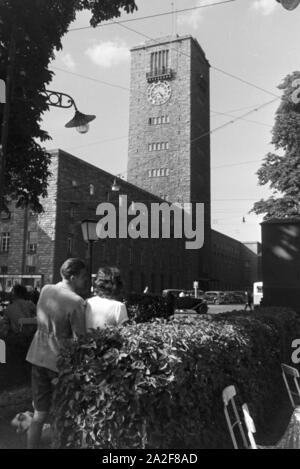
{"x":160,"y":172}
{"x":70,"y":245}
{"x":5,"y":238}
{"x":159,"y":62}
{"x":104,"y":252}
{"x":158,"y":146}
{"x":5,"y":215}
{"x":117,"y":254}
{"x":73,"y":211}
{"x":30,"y":269}
{"x":32,"y":242}
{"x":92,"y":189}
{"x":130,"y":256}
{"x":3,"y":269}
{"x":159,"y":120}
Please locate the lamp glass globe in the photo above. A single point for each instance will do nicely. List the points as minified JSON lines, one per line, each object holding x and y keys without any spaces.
{"x":83,"y":129}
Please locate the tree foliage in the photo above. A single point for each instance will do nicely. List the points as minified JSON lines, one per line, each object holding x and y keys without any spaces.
{"x":282,"y":171}
{"x":39,"y":27}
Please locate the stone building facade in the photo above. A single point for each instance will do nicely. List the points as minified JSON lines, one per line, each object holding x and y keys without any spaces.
{"x":169,"y":129}
{"x":168,"y":160}
{"x":34,"y":246}
{"x":235,"y":265}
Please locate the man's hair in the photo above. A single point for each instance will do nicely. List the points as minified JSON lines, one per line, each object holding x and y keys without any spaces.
{"x":20,"y":291}
{"x":71,"y":267}
{"x":108,"y":282}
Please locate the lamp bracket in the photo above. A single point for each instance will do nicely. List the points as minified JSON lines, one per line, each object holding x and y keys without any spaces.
{"x":57,"y":99}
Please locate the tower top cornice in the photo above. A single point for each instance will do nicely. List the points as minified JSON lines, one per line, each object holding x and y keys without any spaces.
{"x":168,"y":40}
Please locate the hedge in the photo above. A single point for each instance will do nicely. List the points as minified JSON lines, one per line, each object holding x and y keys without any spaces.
{"x":143,"y":308}
{"x":159,"y":384}
{"x":16,"y":371}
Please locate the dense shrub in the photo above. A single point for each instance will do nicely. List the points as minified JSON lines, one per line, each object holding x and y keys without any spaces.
{"x":143,"y":308}
{"x":159,"y":384}
{"x":16,"y":371}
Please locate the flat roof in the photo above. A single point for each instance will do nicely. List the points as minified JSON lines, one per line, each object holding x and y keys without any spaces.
{"x":167,"y":40}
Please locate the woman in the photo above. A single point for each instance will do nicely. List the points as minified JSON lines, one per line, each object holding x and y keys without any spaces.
{"x":104,"y":309}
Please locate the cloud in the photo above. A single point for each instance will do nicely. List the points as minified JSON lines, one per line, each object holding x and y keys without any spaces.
{"x":106,"y":54}
{"x":194,"y":18}
{"x":68,"y":60}
{"x":266,"y":7}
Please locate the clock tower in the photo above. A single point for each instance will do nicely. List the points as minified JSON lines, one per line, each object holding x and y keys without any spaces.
{"x":169,"y":127}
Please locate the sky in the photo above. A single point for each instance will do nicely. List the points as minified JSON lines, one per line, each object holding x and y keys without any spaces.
{"x":254,"y":40}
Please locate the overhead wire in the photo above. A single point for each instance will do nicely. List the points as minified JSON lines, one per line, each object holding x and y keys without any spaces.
{"x":142,"y":18}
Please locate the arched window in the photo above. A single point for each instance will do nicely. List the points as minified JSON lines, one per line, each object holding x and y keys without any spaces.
{"x":92,"y":189}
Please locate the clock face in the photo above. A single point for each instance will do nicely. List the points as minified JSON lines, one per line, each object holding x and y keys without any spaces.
{"x":159,"y":92}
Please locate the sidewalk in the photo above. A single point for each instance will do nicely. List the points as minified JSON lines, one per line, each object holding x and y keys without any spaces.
{"x":11,"y":402}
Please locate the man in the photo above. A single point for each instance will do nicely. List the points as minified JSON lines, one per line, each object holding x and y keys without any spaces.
{"x":249,"y":300}
{"x":60,"y":318}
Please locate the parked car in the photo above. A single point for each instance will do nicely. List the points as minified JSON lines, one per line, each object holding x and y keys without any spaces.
{"x":214,"y":297}
{"x":187,"y":302}
{"x":191,"y":293}
{"x":238,"y":296}
{"x":175,"y":292}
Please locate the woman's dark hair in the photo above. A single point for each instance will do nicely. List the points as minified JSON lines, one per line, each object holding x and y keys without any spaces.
{"x":108,"y":282}
{"x":20,"y":291}
{"x":71,"y":267}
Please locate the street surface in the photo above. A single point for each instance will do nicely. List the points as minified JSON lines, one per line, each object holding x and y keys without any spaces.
{"x":217,"y":309}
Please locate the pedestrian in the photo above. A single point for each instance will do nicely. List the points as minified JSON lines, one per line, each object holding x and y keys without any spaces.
{"x":60,"y":319}
{"x":170,"y":301}
{"x":105,"y":309}
{"x":20,"y":307}
{"x":249,"y":300}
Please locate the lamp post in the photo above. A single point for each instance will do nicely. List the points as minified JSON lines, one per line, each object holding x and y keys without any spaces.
{"x":90,"y":236}
{"x":80,"y":121}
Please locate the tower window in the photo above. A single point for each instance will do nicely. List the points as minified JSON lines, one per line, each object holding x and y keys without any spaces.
{"x":160,"y":172}
{"x":158,"y":146}
{"x":5,"y":239}
{"x":159,"y":120}
{"x":159,"y":62}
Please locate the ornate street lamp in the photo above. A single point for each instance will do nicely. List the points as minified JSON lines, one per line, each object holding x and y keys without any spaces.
{"x":80,"y":121}
{"x":289,"y":4}
{"x":115,"y":186}
{"x":90,"y":236}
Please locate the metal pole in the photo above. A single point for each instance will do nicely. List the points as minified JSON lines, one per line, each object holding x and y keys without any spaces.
{"x":6,"y":112}
{"x":90,"y":265}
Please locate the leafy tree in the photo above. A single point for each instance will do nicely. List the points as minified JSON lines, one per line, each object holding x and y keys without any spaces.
{"x":282,"y":171}
{"x":37,"y":26}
